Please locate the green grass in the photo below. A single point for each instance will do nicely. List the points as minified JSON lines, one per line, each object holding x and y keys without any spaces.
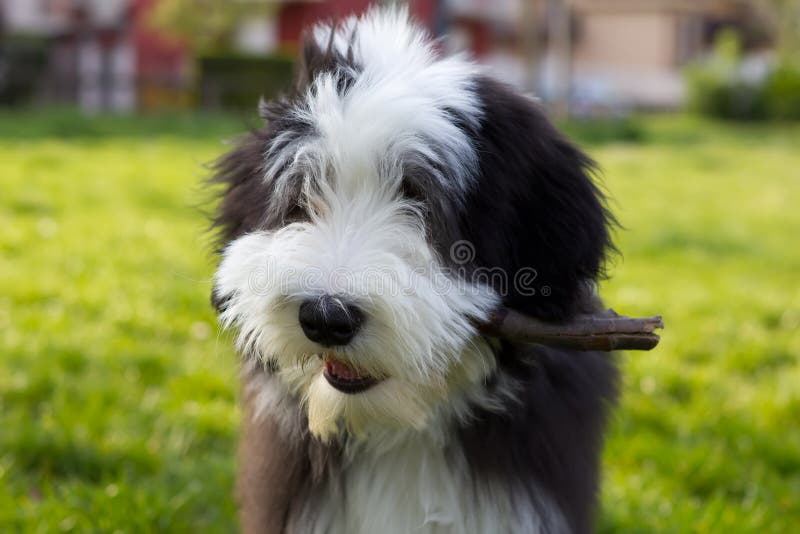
{"x":118,"y":398}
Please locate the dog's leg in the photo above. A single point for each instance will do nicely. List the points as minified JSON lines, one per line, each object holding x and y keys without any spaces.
{"x":269,"y":474}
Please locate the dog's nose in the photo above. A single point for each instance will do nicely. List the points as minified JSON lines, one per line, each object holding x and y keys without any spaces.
{"x":329,"y":321}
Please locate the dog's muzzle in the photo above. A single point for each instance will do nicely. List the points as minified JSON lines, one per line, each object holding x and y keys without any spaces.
{"x":332,"y":322}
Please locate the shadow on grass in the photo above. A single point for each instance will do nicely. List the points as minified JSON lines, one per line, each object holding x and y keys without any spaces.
{"x":69,"y":123}
{"x":601,"y":131}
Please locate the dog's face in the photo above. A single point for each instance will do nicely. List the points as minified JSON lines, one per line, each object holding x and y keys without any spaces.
{"x":393,"y":201}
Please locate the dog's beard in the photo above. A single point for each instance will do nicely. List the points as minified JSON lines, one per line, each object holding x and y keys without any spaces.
{"x":417,"y":340}
{"x":393,"y":403}
{"x":387,"y":405}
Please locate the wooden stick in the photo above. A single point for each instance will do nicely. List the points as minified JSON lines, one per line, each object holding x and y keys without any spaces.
{"x":605,"y":331}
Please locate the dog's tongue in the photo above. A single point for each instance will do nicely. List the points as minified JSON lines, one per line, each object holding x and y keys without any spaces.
{"x":341,"y":370}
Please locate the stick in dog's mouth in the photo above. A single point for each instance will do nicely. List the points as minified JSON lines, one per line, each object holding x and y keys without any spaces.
{"x":343,"y":377}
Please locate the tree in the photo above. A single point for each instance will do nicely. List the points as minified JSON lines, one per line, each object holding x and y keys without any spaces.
{"x":206,"y":25}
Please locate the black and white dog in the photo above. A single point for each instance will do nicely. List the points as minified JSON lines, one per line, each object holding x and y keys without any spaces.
{"x":392,"y":201}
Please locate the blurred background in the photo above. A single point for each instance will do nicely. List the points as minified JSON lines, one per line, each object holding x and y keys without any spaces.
{"x":118,"y":394}
{"x":582,"y":57}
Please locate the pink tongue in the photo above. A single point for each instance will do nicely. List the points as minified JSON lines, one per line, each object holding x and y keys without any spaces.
{"x":341,"y":370}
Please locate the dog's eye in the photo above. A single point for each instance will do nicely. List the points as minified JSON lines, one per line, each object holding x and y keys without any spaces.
{"x":412,"y":191}
{"x":295,"y":214}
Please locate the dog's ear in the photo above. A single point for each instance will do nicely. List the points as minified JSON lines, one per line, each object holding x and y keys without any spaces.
{"x":535,"y":212}
{"x":314,"y":59}
{"x":320,"y":54}
{"x":219,"y":302}
{"x":238,"y":175}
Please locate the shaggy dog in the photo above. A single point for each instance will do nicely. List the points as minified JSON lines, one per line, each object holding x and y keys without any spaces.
{"x":392,"y":201}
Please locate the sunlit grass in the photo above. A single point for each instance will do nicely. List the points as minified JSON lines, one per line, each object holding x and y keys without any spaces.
{"x":708,"y":437}
{"x":118,"y":401}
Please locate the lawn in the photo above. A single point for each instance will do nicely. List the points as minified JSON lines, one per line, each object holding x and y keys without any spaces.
{"x":118,"y":395}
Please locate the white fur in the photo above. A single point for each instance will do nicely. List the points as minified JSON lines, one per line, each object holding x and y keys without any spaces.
{"x":398,"y":111}
{"x":409,"y":481}
{"x":419,"y":486}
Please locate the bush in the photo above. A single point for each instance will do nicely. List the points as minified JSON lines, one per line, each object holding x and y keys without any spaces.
{"x":717,"y":87}
{"x":235,"y":81}
{"x":782,"y":93}
{"x":717,"y":96}
{"x":599,"y":131}
{"x":23,"y":60}
{"x":776,"y":97}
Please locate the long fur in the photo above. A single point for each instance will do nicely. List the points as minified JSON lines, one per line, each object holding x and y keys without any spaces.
{"x":427,"y":194}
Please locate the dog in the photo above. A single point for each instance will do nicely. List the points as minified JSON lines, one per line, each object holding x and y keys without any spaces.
{"x":391,"y":201}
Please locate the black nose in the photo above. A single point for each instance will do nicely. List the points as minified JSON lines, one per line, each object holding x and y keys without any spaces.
{"x":329,"y":321}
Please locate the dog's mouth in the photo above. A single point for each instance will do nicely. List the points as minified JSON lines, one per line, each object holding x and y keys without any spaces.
{"x":343,"y":377}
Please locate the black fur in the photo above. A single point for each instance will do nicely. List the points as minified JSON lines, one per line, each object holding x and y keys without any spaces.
{"x":244,"y":196}
{"x":535,"y":206}
{"x":550,"y":438}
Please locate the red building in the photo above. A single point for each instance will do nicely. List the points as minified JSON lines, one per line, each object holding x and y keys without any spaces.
{"x":163,"y":63}
{"x":104,"y":56}
{"x":100,"y":53}
{"x":295,"y":15}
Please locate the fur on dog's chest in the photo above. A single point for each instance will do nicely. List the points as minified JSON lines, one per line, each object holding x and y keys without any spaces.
{"x":419,"y":485}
